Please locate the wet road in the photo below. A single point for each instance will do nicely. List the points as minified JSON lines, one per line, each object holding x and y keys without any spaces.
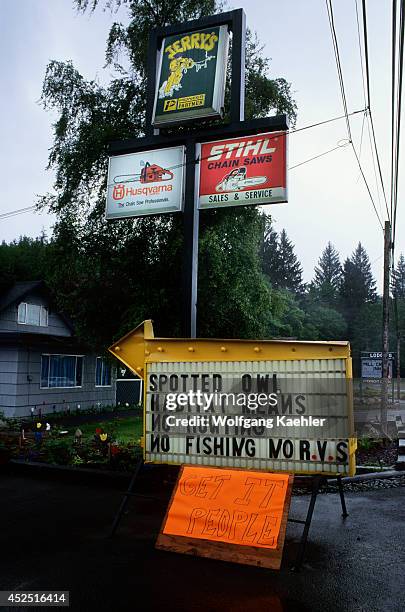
{"x":52,"y":537}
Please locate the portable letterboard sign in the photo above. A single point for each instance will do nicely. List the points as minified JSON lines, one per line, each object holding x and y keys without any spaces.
{"x":244,"y":170}
{"x":232,"y":515}
{"x":269,"y":405}
{"x":191,"y":76}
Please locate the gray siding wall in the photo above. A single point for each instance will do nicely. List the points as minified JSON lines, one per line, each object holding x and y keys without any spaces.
{"x":18,"y":395}
{"x":8,"y":379}
{"x":9,"y":319}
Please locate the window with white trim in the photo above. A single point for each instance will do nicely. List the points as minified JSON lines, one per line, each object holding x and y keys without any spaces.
{"x":103,"y":372}
{"x":61,"y":371}
{"x":32,"y":314}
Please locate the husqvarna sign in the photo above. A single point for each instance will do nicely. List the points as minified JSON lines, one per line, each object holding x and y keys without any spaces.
{"x":244,"y":170}
{"x":145,"y":183}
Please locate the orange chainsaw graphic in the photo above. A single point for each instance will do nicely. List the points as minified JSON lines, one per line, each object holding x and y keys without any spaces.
{"x":150,"y":173}
{"x":238,"y":179}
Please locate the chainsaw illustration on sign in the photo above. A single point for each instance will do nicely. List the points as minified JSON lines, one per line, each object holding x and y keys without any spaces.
{"x":178,"y":68}
{"x":238,"y":179}
{"x":150,"y":173}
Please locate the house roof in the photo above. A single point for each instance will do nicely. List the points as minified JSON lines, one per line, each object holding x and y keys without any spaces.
{"x":30,"y":339}
{"x":18,"y":291}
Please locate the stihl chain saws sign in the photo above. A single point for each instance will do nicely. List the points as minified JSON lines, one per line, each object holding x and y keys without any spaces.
{"x":244,"y":170}
{"x":147,"y":183}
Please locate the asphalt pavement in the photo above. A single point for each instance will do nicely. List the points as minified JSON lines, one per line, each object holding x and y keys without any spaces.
{"x":53,"y":537}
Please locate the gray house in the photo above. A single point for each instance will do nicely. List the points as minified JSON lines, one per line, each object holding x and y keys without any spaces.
{"x":43,"y":368}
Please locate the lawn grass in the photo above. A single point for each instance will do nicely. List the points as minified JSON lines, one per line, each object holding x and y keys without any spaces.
{"x":125,"y":430}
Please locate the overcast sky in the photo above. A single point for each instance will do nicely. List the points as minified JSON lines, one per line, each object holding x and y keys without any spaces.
{"x":327,"y":199}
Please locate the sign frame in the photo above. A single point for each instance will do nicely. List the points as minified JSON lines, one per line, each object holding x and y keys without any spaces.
{"x":174,"y":457}
{"x":178,"y":117}
{"x":223,"y":200}
{"x":139,"y":349}
{"x":133,"y":213}
{"x":236,"y":22}
{"x":224,"y":551}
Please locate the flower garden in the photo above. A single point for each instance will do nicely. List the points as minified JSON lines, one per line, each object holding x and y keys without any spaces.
{"x":110,"y":440}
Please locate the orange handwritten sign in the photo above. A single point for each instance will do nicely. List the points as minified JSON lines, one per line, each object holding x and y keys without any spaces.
{"x":233,"y":506}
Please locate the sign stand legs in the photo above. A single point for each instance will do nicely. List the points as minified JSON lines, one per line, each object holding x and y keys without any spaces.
{"x":342,"y":497}
{"x":125,"y":499}
{"x":316,"y":484}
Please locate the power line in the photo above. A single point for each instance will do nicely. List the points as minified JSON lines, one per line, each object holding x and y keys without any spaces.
{"x":398,"y":115}
{"x":320,"y":155}
{"x":338,"y":64}
{"x":19,"y":211}
{"x":374,"y":169}
{"x":368,"y":96}
{"x":393,"y":56}
{"x":343,"y":93}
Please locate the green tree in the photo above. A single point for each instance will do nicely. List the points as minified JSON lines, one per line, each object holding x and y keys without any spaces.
{"x":358,"y":285}
{"x":230,"y":277}
{"x":279,"y":262}
{"x":398,"y":278}
{"x":132,"y":268}
{"x":366,"y":330}
{"x":24,"y":259}
{"x":269,"y":252}
{"x":328,"y":275}
{"x":290,"y":269}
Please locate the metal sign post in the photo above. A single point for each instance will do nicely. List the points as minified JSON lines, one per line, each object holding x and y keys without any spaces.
{"x":190,"y":246}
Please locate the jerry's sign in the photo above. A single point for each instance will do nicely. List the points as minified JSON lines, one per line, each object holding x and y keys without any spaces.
{"x":191,"y":77}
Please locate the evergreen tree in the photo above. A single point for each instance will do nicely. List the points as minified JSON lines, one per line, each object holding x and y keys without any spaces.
{"x":290,"y":269}
{"x":398,"y":279}
{"x":269,"y":252}
{"x":328,"y":275}
{"x":279,"y":262}
{"x":358,"y":285}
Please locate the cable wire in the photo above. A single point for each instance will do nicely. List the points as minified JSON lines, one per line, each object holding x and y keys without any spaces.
{"x":368,"y":102}
{"x":320,"y":155}
{"x":393,"y":56}
{"x":398,"y":115}
{"x":343,"y":93}
{"x":19,"y":211}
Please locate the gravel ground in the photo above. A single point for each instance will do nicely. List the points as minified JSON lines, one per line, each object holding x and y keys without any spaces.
{"x":354,"y":487}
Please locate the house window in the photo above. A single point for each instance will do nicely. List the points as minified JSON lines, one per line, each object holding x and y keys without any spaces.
{"x":103,"y":372}
{"x":32,"y":314}
{"x":61,"y":371}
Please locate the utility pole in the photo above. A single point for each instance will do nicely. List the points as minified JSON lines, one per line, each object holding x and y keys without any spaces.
{"x":399,"y":366}
{"x":385,"y":329}
{"x":398,"y":335}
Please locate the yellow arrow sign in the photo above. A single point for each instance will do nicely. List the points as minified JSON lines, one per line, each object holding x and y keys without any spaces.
{"x":140,"y":346}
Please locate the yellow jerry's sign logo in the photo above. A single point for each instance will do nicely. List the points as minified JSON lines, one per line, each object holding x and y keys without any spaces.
{"x":198,"y":40}
{"x":179,"y":64}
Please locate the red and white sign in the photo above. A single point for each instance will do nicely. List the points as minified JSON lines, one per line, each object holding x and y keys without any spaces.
{"x":244,"y":170}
